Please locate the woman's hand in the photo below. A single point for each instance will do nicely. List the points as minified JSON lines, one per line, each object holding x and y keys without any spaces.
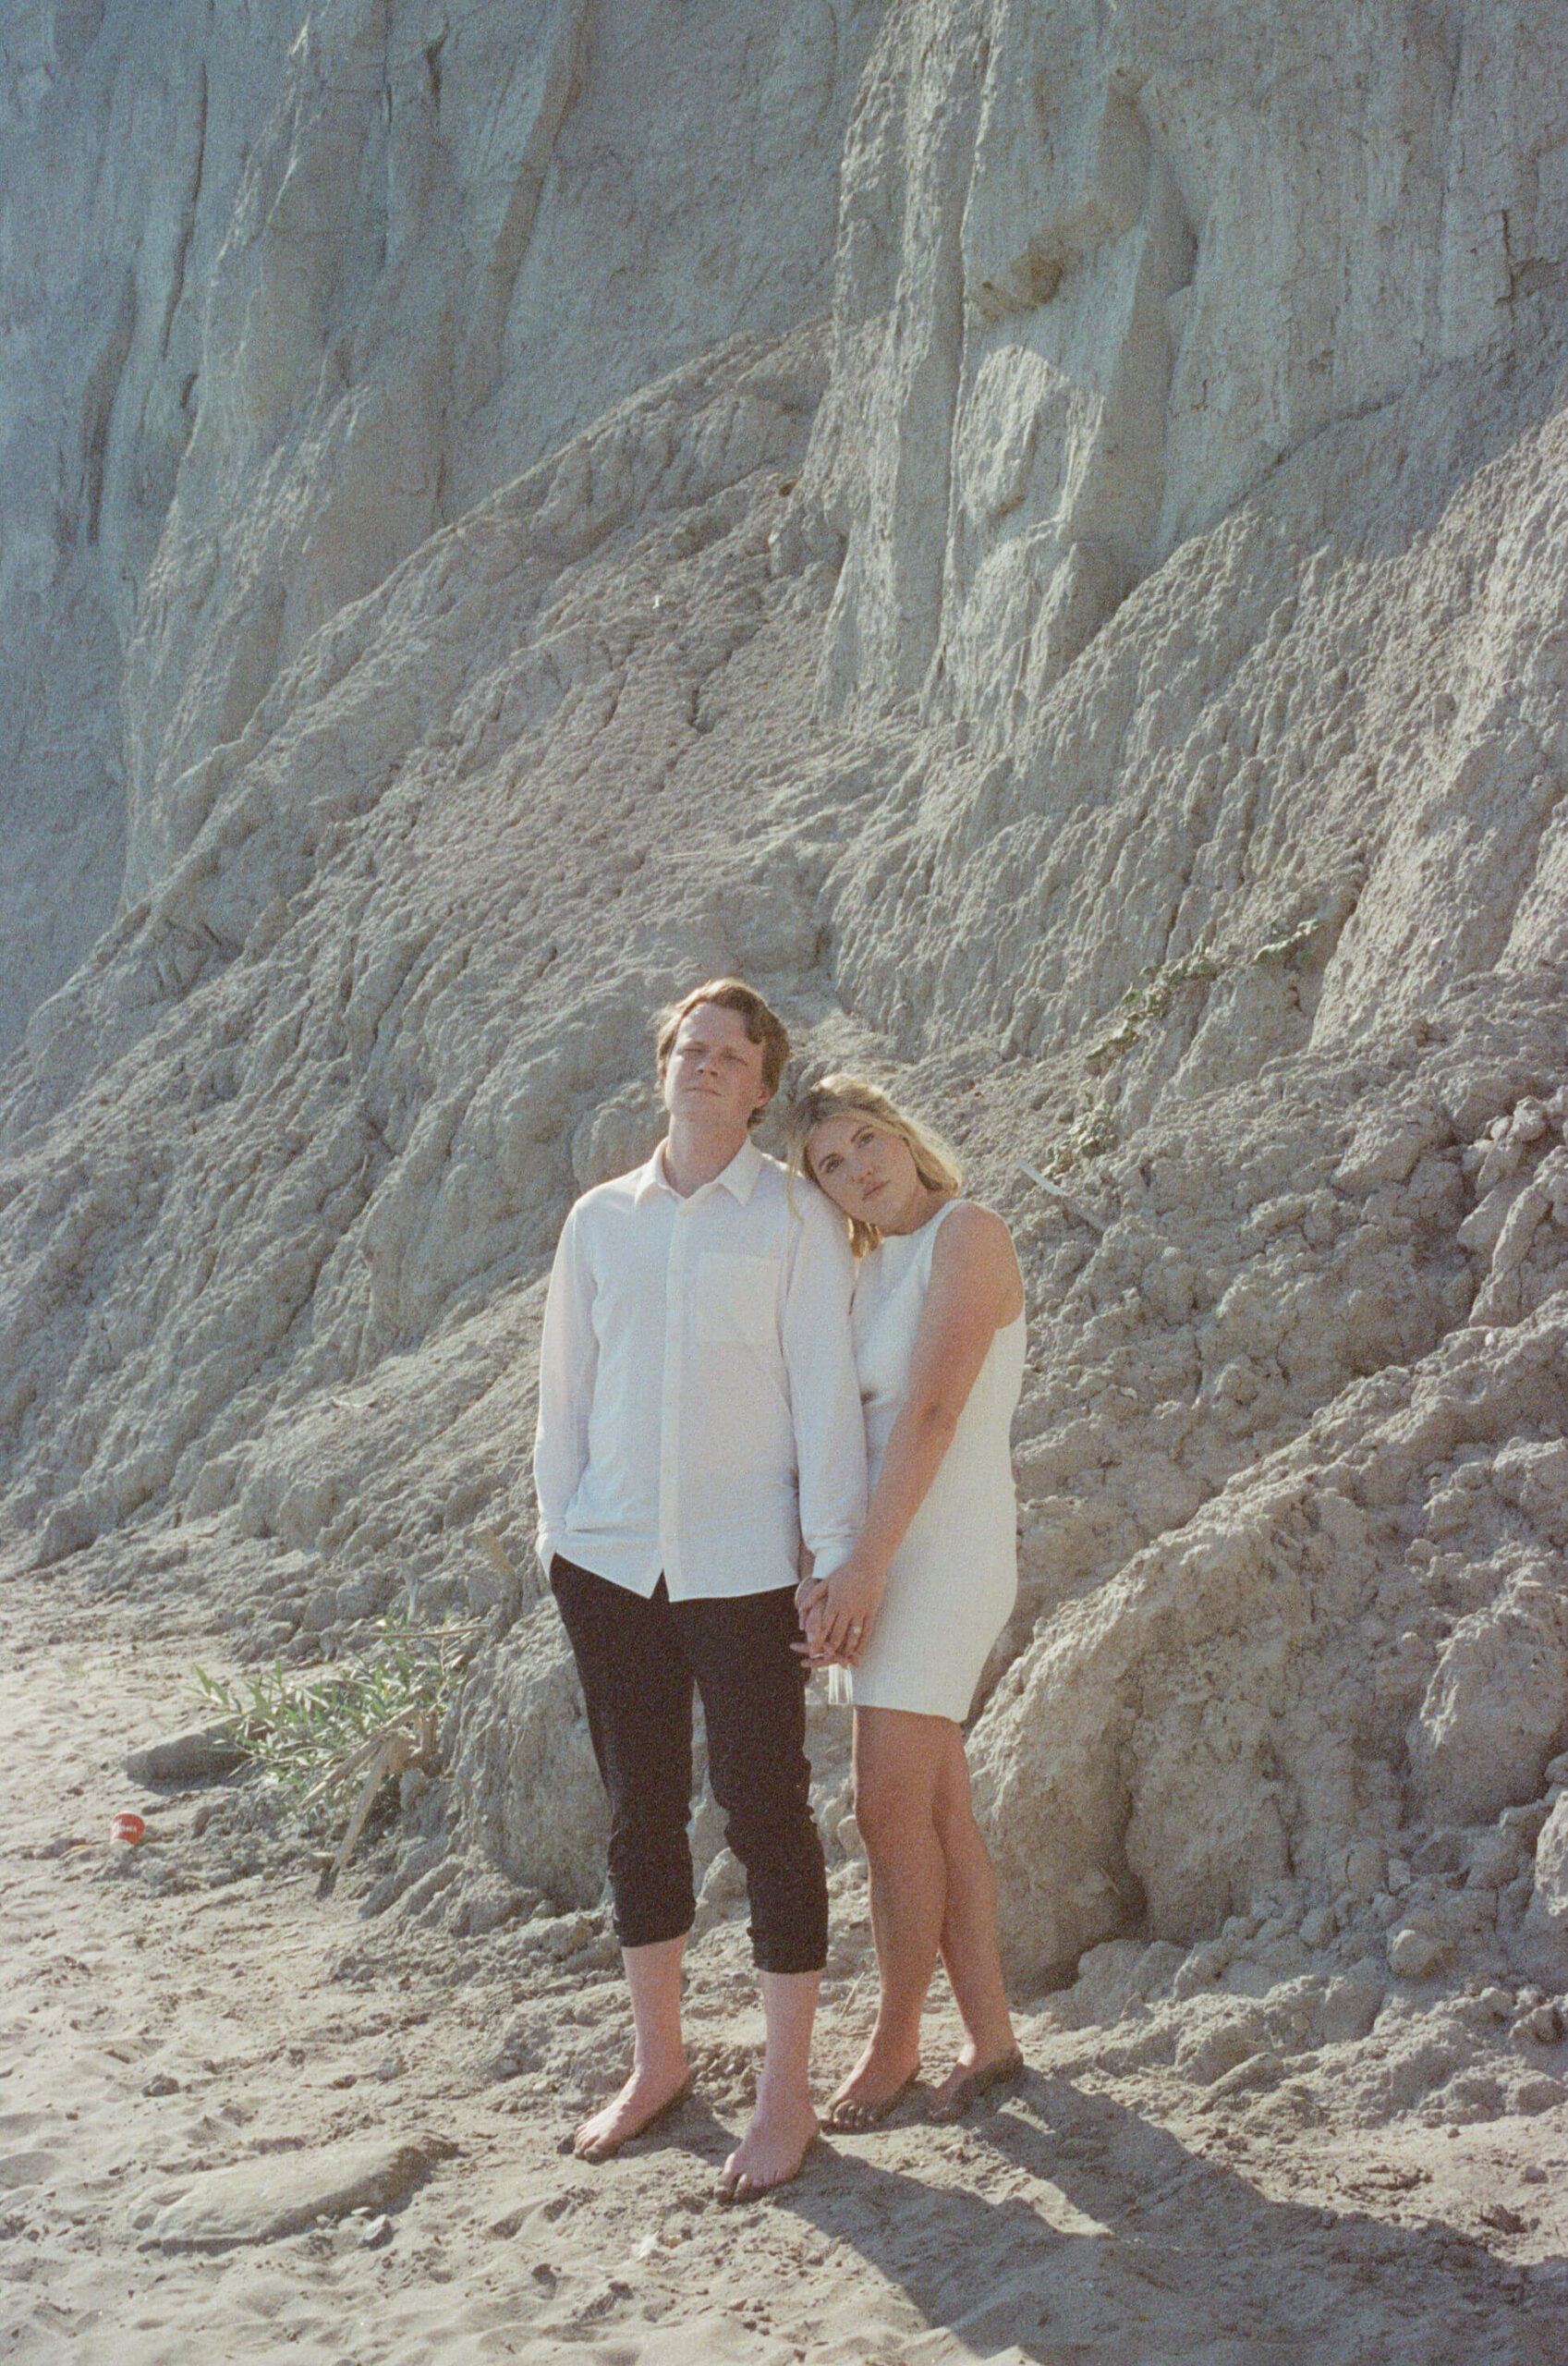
{"x":843,"y":1607}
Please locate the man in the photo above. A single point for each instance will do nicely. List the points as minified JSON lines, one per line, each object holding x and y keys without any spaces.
{"x":698,"y":1415}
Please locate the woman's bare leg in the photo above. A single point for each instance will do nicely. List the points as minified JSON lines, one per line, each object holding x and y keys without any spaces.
{"x":899,"y":1758}
{"x":969,"y":1945}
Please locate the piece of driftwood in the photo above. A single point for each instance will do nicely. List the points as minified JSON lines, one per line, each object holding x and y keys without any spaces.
{"x":410,"y":1742}
{"x":1068,"y":1205}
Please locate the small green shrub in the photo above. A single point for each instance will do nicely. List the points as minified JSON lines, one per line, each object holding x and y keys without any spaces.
{"x":303,"y":1733}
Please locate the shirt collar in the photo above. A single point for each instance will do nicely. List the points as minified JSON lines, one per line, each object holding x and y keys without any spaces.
{"x":739,"y":1179}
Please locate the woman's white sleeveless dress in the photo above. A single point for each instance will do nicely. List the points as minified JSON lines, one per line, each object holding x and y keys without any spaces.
{"x":955,"y":1578}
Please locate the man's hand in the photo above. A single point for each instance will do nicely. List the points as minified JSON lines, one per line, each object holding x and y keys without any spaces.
{"x":812,"y":1649}
{"x":809,"y":1590}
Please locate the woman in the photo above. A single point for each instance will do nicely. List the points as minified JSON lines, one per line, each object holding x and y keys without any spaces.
{"x":914,"y":1611}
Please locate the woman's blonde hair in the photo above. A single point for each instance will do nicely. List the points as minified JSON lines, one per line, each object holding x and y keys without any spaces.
{"x":852,"y":1096}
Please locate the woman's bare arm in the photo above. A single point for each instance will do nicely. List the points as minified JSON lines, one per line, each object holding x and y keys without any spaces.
{"x":975,"y":1288}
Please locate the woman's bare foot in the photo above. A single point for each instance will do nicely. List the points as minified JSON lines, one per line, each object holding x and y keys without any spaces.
{"x":880,"y":2080}
{"x":972,"y":2077}
{"x":771,"y":2150}
{"x":641,"y":2101}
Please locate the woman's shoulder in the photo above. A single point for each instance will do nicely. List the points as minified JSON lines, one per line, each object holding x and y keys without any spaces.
{"x":964,"y":1229}
{"x":973,"y":1245}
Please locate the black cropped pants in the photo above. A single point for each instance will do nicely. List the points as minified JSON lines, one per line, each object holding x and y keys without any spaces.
{"x":639,"y":1661}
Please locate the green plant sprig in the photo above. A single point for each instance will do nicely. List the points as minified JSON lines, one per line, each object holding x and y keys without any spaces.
{"x":297,"y":1732}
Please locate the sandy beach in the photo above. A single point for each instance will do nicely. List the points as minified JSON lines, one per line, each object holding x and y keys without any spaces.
{"x":238,"y":2122}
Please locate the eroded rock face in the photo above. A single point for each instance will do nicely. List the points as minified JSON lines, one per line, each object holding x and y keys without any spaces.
{"x":1083,"y":634}
{"x":287,"y":291}
{"x":1185,"y":242}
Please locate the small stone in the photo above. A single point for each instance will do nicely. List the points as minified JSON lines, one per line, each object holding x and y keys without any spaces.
{"x":377,"y":2235}
{"x":1204,"y":1967}
{"x":1364,"y":1871}
{"x":1263,"y":2069}
{"x":599,"y":1955}
{"x":185,"y":1758}
{"x":356,"y":1600}
{"x":559,"y":1936}
{"x":1494,"y":1860}
{"x":282,"y":2193}
{"x":321,"y":1610}
{"x":488,"y":1904}
{"x":1349,"y":2006}
{"x":1414,"y":1955}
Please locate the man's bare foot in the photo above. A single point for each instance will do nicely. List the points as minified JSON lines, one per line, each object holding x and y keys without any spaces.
{"x":771,"y":2150}
{"x":640,"y":2103}
{"x":878,"y":2081}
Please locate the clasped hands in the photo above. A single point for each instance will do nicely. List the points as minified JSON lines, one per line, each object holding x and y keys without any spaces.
{"x":838,"y":1612}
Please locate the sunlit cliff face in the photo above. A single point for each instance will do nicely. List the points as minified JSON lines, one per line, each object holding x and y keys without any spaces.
{"x":1184,"y":243}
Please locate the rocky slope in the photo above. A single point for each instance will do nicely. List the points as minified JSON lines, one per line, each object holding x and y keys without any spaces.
{"x":1086,"y":633}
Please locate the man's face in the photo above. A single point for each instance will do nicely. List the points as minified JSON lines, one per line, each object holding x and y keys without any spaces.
{"x":714,"y":1077}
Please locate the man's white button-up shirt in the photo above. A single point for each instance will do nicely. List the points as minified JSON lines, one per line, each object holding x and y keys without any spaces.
{"x":698,"y":1410}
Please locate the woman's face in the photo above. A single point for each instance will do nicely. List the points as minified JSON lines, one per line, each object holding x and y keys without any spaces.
{"x":866,"y":1172}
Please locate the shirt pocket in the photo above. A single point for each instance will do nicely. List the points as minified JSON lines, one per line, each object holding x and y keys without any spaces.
{"x":736,"y":1299}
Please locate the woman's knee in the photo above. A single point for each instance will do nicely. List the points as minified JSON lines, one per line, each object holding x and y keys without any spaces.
{"x":961,"y":1837}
